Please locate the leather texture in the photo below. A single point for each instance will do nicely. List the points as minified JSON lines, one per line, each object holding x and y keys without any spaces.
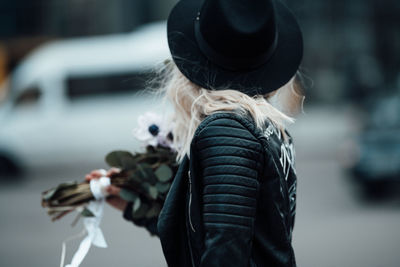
{"x":233,"y":202}
{"x":230,"y":158}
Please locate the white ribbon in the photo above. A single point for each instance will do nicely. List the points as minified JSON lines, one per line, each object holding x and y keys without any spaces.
{"x":98,"y":187}
{"x":92,"y":224}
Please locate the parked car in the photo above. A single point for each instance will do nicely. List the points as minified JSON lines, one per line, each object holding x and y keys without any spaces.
{"x":378,"y":159}
{"x":75,"y":100}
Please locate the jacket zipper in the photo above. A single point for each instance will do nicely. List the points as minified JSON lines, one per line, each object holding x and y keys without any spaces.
{"x":190,"y":221}
{"x":190,"y":201}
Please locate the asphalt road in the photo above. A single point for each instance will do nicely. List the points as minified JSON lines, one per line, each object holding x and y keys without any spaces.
{"x":335,"y":227}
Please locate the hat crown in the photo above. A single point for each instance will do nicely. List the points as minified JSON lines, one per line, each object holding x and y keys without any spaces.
{"x":238,"y":28}
{"x":254,"y":46}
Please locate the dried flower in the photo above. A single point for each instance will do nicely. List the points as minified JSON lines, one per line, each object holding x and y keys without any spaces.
{"x":154,"y":130}
{"x":145,"y":179}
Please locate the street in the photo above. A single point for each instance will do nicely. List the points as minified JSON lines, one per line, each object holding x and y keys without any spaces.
{"x":335,"y":227}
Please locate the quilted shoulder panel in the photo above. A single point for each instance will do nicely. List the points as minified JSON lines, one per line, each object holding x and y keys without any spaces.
{"x":230,"y":158}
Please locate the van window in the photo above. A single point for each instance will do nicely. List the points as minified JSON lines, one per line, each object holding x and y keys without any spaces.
{"x":28,"y":98}
{"x":105,"y":85}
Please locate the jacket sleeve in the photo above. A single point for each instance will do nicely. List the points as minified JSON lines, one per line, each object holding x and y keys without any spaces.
{"x":149,"y":223}
{"x":230,"y":157}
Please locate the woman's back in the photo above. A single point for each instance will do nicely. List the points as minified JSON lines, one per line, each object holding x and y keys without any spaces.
{"x":240,"y":197}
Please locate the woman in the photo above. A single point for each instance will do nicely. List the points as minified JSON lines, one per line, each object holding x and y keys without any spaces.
{"x":234,"y":87}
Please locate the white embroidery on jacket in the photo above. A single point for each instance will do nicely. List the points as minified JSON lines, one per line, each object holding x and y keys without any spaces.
{"x":287,"y":159}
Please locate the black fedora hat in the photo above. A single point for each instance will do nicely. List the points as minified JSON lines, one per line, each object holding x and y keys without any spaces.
{"x":254,"y":46}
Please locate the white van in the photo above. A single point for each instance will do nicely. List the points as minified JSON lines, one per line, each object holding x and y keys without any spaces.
{"x":75,"y":100}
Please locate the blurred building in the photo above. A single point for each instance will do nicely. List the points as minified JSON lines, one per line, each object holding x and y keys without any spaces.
{"x":25,"y":24}
{"x":70,"y":18}
{"x":352,"y":48}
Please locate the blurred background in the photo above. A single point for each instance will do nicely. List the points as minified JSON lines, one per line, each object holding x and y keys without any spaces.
{"x":72,"y":79}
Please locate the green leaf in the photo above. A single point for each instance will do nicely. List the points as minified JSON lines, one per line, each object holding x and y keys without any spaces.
{"x":154,"y":211}
{"x":87,"y":213}
{"x":67,"y":185}
{"x":141,"y":211}
{"x":145,"y":173}
{"x":145,"y":186}
{"x":128,"y":195}
{"x":163,"y":173}
{"x":136,"y":205}
{"x":121,"y":159}
{"x":134,"y":179}
{"x":163,"y":187}
{"x":153,"y":192}
{"x":48,"y":194}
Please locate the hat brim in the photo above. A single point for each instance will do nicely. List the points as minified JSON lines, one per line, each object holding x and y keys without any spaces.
{"x":273,"y":74}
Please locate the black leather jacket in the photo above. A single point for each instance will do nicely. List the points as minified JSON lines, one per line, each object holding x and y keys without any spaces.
{"x":233,"y":202}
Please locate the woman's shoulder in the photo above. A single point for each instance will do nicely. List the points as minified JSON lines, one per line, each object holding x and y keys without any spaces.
{"x":242,"y":126}
{"x":227,"y":133}
{"x":227,"y":119}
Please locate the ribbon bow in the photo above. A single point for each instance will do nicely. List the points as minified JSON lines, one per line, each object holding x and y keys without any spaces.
{"x":92,"y":224}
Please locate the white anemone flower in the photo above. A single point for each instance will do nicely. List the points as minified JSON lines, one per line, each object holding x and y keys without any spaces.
{"x":153,"y":130}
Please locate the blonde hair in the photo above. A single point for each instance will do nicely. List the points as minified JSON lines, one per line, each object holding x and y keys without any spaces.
{"x":193,"y":103}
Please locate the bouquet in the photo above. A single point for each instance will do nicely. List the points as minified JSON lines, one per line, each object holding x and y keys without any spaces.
{"x":144,"y":179}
